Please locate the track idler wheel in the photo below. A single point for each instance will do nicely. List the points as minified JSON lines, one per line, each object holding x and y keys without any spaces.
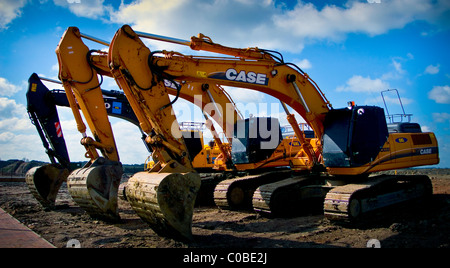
{"x":165,"y":201}
{"x":44,"y":183}
{"x":94,"y":188}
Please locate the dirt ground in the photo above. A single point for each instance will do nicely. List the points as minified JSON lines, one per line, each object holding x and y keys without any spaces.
{"x":420,"y":225}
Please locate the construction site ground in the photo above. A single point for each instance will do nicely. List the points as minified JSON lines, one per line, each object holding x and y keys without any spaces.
{"x":419,"y":225}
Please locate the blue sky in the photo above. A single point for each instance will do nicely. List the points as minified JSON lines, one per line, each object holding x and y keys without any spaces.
{"x":352,"y":49}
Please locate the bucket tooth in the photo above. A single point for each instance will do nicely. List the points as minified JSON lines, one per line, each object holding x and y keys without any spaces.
{"x":165,"y":201}
{"x":44,"y":183}
{"x":95,"y":188}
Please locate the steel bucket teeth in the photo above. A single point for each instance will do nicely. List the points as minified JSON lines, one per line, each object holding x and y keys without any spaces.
{"x":44,"y":183}
{"x":95,"y":188}
{"x":165,"y":201}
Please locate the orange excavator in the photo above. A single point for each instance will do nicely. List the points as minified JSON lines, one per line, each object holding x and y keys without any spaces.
{"x":349,"y":145}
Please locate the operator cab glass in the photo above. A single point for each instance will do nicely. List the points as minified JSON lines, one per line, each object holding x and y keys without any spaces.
{"x":353,"y":136}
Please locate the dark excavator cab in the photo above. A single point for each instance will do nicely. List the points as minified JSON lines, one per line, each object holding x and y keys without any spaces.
{"x":255,"y":139}
{"x":353,"y":136}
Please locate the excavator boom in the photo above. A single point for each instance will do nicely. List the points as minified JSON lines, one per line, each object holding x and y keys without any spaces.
{"x":44,"y":182}
{"x":165,"y":196}
{"x":95,"y":186}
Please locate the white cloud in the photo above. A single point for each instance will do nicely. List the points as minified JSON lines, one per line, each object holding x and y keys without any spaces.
{"x":9,"y":109}
{"x":241,"y":95}
{"x":432,"y":69}
{"x":304,"y":64}
{"x":93,"y":9}
{"x":129,"y":144}
{"x":440,"y":94}
{"x":358,"y":83}
{"x":7,"y":89}
{"x":394,"y":100}
{"x":16,"y":124}
{"x":9,"y":10}
{"x":426,"y":128}
{"x":266,"y":24}
{"x":441,"y":117}
{"x":15,"y":144}
{"x":398,"y":71}
{"x":398,"y":66}
{"x":334,"y":22}
{"x":6,"y":136}
{"x":233,"y":22}
{"x":444,"y":119}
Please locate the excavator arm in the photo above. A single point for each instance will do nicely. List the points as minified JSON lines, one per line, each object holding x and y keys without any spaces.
{"x":44,"y":182}
{"x":164,"y":196}
{"x":95,"y":186}
{"x":41,"y":107}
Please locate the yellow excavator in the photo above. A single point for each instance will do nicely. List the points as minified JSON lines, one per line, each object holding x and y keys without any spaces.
{"x":146,"y":88}
{"x":349,"y":145}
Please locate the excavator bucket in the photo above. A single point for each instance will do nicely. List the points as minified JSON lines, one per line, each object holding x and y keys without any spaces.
{"x":165,"y":201}
{"x":95,"y":187}
{"x":44,"y":183}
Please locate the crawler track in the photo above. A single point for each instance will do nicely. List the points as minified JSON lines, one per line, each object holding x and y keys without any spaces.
{"x":290,"y":196}
{"x":354,"y":201}
{"x":237,"y":193}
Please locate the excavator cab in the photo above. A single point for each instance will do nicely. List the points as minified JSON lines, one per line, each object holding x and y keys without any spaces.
{"x":255,"y":139}
{"x":193,"y":137}
{"x":353,"y":137}
{"x":358,"y":140}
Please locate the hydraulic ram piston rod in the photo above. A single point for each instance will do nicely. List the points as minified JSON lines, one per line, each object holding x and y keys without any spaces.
{"x":164,"y":38}
{"x":95,"y":39}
